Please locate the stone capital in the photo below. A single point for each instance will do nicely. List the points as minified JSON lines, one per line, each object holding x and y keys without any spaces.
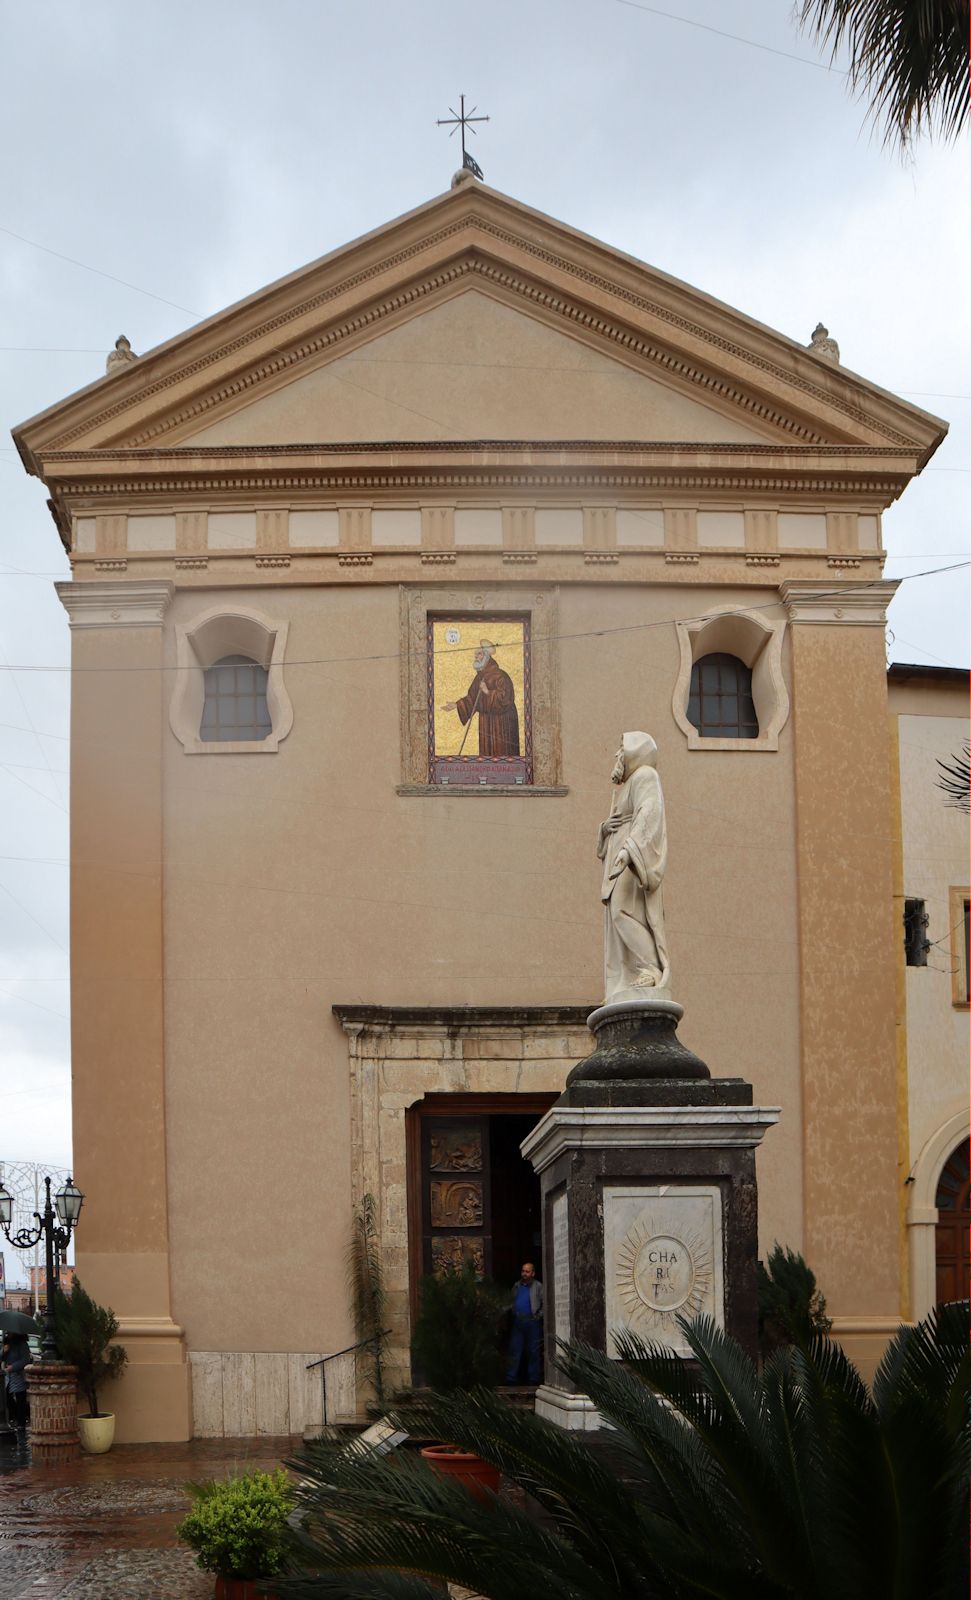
{"x":645,"y":1127}
{"x":120,"y":604}
{"x":852,"y":604}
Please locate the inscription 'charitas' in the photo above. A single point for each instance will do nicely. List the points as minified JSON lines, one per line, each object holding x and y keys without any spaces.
{"x":660,"y":1274}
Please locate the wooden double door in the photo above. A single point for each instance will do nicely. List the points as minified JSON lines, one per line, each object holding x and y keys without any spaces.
{"x":472,"y":1197}
{"x":951,"y":1238}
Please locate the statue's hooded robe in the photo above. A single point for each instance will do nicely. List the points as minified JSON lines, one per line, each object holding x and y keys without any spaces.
{"x":635,"y":946}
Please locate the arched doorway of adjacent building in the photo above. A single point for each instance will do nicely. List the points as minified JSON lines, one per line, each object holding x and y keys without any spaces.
{"x":952,"y":1235}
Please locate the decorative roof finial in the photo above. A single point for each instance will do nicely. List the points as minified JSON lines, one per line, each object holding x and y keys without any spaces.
{"x":822,"y":345}
{"x":121,"y":355}
{"x":463,"y":119}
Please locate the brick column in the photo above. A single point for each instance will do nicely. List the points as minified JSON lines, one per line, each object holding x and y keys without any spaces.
{"x":53,"y":1390}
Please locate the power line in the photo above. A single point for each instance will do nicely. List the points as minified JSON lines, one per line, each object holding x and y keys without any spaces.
{"x":98,"y":272}
{"x":846,"y":591}
{"x":736,"y":38}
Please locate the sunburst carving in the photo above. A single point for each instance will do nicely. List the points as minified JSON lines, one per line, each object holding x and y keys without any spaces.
{"x":660,"y":1274}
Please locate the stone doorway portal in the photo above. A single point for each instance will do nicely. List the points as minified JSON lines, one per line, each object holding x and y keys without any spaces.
{"x":471,"y":1194}
{"x":487,"y":1061}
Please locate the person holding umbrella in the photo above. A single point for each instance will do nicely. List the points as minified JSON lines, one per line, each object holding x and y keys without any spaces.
{"x":16,"y":1357}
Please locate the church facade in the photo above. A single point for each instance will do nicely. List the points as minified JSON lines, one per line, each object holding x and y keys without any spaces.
{"x":370,"y":573}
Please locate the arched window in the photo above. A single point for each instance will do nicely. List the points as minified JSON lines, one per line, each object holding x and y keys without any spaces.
{"x":720,"y":701}
{"x":235,"y":707}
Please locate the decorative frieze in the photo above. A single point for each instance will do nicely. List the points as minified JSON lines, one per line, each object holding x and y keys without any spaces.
{"x":272,"y":561}
{"x":355,"y":558}
{"x":601,"y":558}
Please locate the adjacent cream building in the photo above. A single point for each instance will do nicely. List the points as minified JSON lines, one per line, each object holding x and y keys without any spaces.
{"x":329,"y":938}
{"x":929,"y":725}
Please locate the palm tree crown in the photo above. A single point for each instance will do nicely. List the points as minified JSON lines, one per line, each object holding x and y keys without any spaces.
{"x":909,"y":57}
{"x":715,"y":1482}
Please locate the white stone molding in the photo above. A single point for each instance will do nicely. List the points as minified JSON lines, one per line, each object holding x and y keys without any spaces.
{"x":860,"y":605}
{"x":922,"y":1210}
{"x":574,"y":1412}
{"x":116,"y":604}
{"x":227,"y":631}
{"x":242,"y":1393}
{"x":758,"y":643}
{"x":567,"y":1128}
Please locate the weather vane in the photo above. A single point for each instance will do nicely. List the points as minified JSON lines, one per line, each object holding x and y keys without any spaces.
{"x":462,"y":119}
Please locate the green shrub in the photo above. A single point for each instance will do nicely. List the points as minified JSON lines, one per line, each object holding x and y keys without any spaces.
{"x":456,"y":1339}
{"x":238,"y":1526}
{"x":84,"y":1331}
{"x":791,"y":1308}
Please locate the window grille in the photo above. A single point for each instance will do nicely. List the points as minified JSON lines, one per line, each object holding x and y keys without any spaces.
{"x":720,"y":701}
{"x":235,"y":708}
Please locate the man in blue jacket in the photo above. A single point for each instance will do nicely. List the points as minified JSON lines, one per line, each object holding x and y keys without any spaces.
{"x":527,"y":1325}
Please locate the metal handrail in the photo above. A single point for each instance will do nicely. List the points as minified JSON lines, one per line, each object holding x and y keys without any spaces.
{"x":361,"y":1344}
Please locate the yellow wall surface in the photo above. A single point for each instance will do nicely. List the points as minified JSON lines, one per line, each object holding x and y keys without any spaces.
{"x":300,"y":880}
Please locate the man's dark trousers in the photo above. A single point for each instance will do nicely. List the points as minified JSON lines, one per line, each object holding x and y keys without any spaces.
{"x":525,"y":1330}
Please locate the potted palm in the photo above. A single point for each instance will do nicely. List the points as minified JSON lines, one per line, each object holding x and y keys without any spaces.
{"x":238,"y":1530}
{"x":455,"y":1346}
{"x":84,"y":1332}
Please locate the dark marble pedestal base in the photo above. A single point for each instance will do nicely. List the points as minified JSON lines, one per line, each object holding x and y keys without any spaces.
{"x":649,"y":1198}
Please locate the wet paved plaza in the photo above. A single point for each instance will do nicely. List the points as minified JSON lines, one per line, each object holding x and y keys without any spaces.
{"x":104,"y":1527}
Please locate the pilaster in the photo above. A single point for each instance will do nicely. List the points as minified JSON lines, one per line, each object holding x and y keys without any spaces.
{"x":117,"y":982}
{"x":843,"y":831}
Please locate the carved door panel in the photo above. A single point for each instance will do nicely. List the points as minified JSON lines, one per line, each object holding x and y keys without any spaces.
{"x":456,"y":1194}
{"x":952,"y":1233}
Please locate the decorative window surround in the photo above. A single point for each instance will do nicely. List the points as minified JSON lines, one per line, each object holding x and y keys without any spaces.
{"x":960,"y":977}
{"x":755,"y":641}
{"x":537,"y":602}
{"x":116,"y":604}
{"x":215,"y":634}
{"x":862,"y":605}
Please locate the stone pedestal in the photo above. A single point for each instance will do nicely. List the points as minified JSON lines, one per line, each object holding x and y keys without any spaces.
{"x":52,"y":1386}
{"x":647,"y":1171}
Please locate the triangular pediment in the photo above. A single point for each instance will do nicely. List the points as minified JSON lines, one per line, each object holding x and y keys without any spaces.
{"x":473,"y":367}
{"x":476,"y":318}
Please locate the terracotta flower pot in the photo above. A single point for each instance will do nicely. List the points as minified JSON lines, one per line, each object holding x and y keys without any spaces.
{"x":239,"y":1589}
{"x":479,"y":1477}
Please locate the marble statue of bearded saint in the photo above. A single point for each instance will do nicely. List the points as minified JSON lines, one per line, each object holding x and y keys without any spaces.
{"x":633,"y":847}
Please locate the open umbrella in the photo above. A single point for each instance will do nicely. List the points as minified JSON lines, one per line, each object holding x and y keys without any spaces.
{"x":18,"y":1322}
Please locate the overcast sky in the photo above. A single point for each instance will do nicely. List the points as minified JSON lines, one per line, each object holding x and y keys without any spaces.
{"x":198,"y":151}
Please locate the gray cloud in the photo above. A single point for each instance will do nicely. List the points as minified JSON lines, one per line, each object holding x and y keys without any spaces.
{"x":201,"y":151}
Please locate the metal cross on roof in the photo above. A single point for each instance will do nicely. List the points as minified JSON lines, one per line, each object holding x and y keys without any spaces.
{"x":463,"y":119}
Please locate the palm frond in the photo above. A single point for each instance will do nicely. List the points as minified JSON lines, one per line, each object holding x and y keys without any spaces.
{"x":399,"y":1514}
{"x":931,"y":1359}
{"x":954,"y":780}
{"x":909,"y":57}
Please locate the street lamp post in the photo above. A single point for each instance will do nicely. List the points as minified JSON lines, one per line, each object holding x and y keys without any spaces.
{"x":56,"y":1233}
